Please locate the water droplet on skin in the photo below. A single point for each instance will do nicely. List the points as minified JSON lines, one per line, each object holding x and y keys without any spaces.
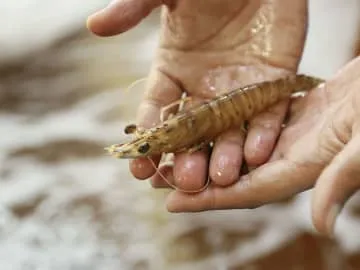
{"x":138,"y":165}
{"x":223,"y":79}
{"x":268,"y":125}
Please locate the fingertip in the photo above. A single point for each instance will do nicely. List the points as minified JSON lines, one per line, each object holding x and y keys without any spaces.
{"x":172,"y":205}
{"x":191,"y":170}
{"x":259,"y":145}
{"x":142,"y":168}
{"x":163,"y":178}
{"x":226,"y":158}
{"x":99,"y":23}
{"x":324,"y":220}
{"x":88,"y":23}
{"x":95,"y":24}
{"x":331,"y":218}
{"x":335,"y":186}
{"x":263,"y":133}
{"x":104,"y":24}
{"x":119,"y":16}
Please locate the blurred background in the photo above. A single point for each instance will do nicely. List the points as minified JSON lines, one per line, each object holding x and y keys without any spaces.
{"x":65,"y":205}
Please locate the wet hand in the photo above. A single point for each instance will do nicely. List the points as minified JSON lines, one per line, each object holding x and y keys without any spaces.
{"x":319,"y":147}
{"x":207,"y":47}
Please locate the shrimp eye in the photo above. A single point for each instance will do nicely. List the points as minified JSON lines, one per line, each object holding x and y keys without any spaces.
{"x":143,"y":148}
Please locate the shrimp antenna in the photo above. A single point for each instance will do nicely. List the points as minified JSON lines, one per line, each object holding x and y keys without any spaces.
{"x":136,"y":82}
{"x":174,"y":186}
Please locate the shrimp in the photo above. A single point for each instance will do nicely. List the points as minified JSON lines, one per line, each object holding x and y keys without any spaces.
{"x":197,"y":127}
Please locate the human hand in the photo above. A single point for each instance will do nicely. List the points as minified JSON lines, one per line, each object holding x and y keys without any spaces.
{"x":320,"y":147}
{"x":206,"y":47}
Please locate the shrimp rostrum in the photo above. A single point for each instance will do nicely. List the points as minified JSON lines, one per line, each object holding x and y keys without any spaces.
{"x":192,"y":129}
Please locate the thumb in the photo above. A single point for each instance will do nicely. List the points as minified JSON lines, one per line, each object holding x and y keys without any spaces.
{"x":336,"y":185}
{"x":120,"y":15}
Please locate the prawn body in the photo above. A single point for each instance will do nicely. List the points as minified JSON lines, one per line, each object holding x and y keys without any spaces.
{"x":192,"y":129}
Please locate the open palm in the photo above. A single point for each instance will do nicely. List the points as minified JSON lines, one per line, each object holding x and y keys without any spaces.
{"x":207,"y":47}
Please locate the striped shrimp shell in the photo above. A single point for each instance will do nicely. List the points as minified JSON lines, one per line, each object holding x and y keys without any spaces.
{"x":203,"y":123}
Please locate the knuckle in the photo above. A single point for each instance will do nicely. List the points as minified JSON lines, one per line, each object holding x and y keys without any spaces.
{"x":212,"y":201}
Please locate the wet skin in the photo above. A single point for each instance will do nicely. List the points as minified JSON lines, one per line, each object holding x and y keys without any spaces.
{"x":212,"y":46}
{"x":207,"y":47}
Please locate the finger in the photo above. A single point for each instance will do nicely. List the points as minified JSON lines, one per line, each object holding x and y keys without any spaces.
{"x":268,"y":183}
{"x":120,"y":15}
{"x":160,"y":91}
{"x":191,"y":170}
{"x":263,"y":132}
{"x":297,"y":171}
{"x":163,"y":178}
{"x":335,"y":186}
{"x":143,"y":168}
{"x":226,"y":158}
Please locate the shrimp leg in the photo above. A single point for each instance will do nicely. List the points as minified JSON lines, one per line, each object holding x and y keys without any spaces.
{"x":181,"y":103}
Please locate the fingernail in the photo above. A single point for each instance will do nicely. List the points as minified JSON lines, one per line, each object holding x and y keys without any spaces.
{"x":331,"y":218}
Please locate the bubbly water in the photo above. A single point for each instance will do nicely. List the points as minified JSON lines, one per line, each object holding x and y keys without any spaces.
{"x":65,"y":205}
